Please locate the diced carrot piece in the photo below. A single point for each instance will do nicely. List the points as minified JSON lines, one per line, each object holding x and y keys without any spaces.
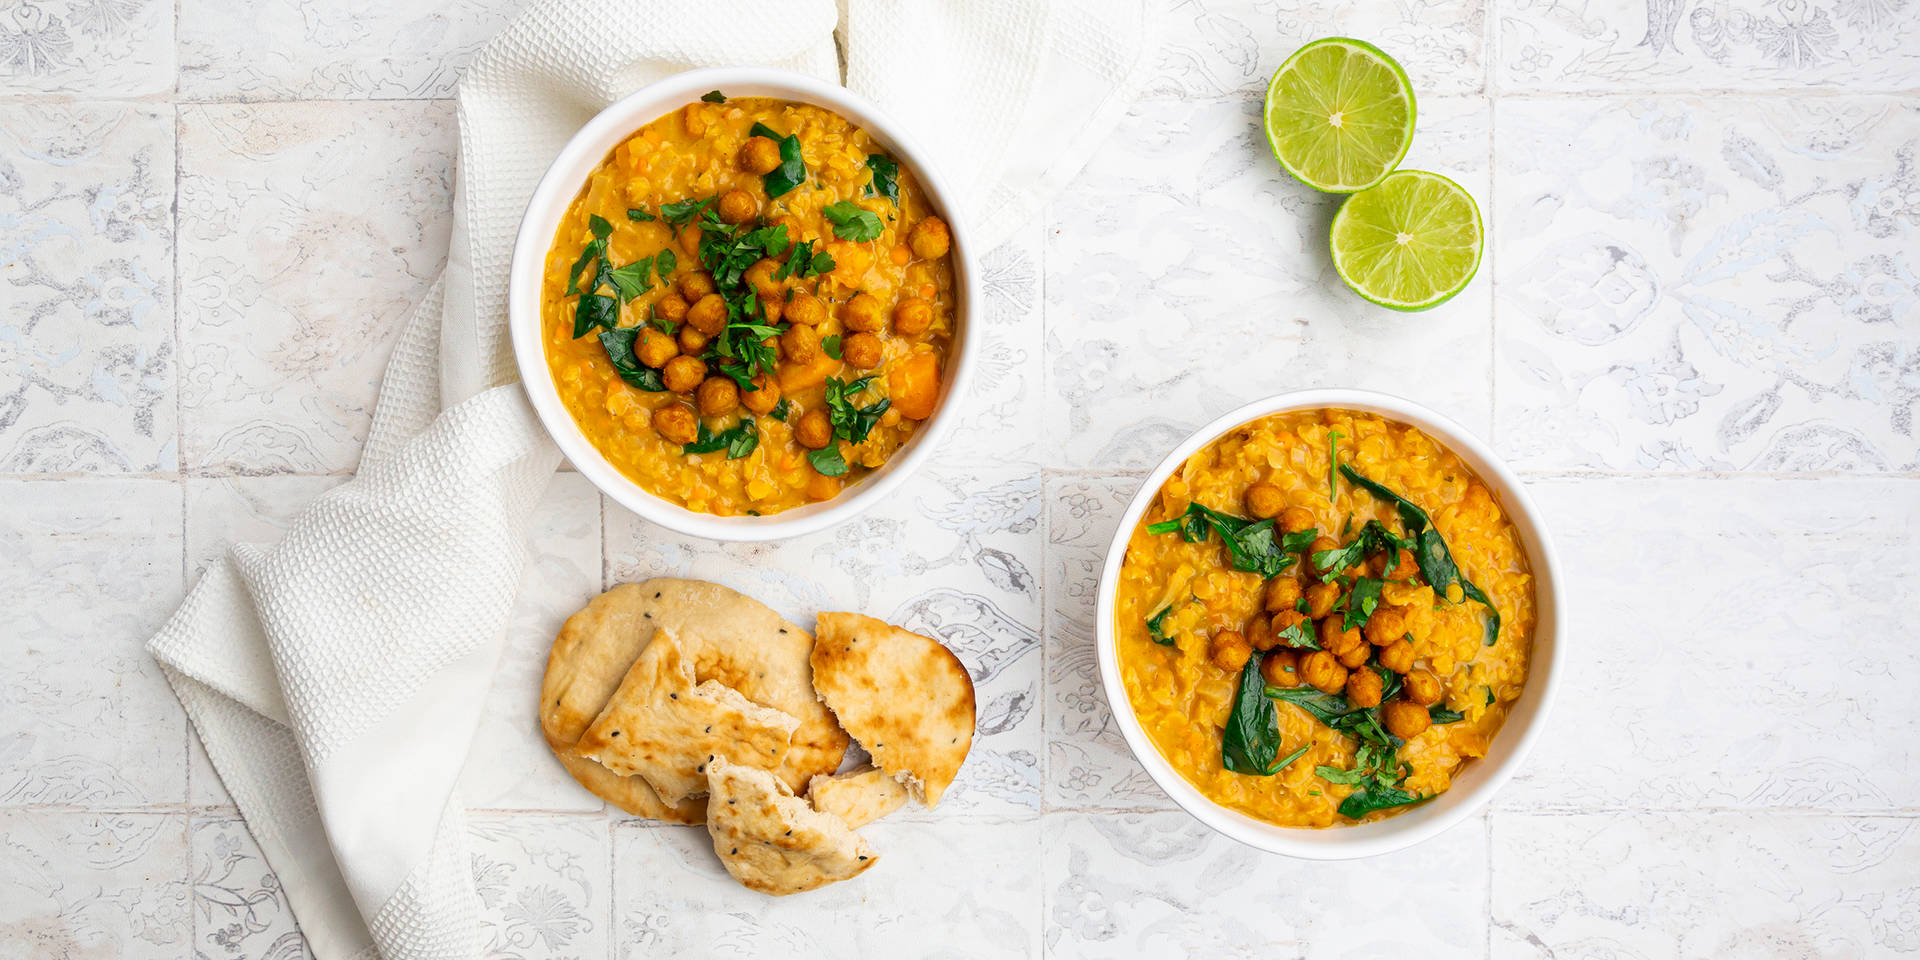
{"x":914,"y":385}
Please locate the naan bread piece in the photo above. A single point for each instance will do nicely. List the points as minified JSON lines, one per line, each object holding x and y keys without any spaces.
{"x":662,"y":726}
{"x":741,"y":643}
{"x":905,"y":697}
{"x":770,"y":840}
{"x":859,"y":796}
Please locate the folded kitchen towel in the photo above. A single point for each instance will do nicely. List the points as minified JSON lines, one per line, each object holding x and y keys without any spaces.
{"x":336,"y":678}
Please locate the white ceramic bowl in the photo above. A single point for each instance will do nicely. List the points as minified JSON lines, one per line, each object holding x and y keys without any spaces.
{"x":562,"y":183}
{"x":1478,"y":779}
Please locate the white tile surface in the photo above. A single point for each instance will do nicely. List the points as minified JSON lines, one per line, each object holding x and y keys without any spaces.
{"x":1717,"y":885}
{"x":87,"y":48}
{"x":1723,"y":284}
{"x":1155,"y":325}
{"x":87,"y":358}
{"x":89,"y":568}
{"x":1768,"y":681}
{"x":297,"y":50}
{"x":1697,"y":326}
{"x":1697,"y":45}
{"x":959,"y":888}
{"x":94,"y":884}
{"x":1162,"y":885}
{"x":307,"y":231}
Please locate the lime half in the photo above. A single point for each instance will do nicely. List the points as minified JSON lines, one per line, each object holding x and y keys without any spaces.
{"x":1410,"y":242}
{"x":1339,"y":114}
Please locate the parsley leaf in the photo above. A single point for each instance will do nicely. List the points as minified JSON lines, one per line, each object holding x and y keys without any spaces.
{"x":1299,"y":636}
{"x":886,"y":177}
{"x":1252,"y":544}
{"x":1362,"y":600}
{"x":682,"y":213}
{"x":664,"y":263}
{"x":619,"y":346}
{"x":850,"y":422}
{"x":831,"y":344}
{"x":852,"y":221}
{"x":780,"y":410}
{"x":714,"y":96}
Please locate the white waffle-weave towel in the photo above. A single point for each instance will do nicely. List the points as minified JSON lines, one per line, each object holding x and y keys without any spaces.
{"x":336,"y":678}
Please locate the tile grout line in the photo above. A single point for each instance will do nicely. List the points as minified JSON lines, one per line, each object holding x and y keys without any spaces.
{"x":187,"y":734}
{"x":1493,"y":274}
{"x":1488,"y":814}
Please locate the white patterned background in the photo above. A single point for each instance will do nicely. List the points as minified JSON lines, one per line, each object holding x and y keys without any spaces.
{"x":1697,"y":335}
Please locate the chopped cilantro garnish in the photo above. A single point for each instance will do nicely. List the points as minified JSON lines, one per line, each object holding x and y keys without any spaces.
{"x":852,"y":221}
{"x":886,"y":177}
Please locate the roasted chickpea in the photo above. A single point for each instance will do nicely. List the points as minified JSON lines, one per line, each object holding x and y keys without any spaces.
{"x":1322,"y":671}
{"x":1260,"y":633}
{"x":1404,"y":567}
{"x":1421,"y":687}
{"x":759,"y":155}
{"x":806,"y":309}
{"x":929,"y":238}
{"x":864,"y":313}
{"x":800,"y":344}
{"x":1296,"y":519}
{"x":671,"y":308}
{"x":718,"y":396}
{"x":764,"y":399}
{"x":814,"y":431}
{"x":1282,"y":593}
{"x":1397,"y":656}
{"x":1284,"y":620}
{"x":676,"y":423}
{"x":1334,"y":635}
{"x":1320,"y":599}
{"x":693,"y":285}
{"x":738,"y":206}
{"x":708,"y":314}
{"x":1356,"y":656}
{"x":760,"y":278}
{"x":694,"y":117}
{"x":655,"y":348}
{"x":1406,"y":720}
{"x":1265,"y":500}
{"x":1281,"y":668}
{"x":1364,"y":688}
{"x":683,"y":373}
{"x":861,"y":350}
{"x":1387,"y":624}
{"x":1229,"y":651}
{"x":691,"y":341}
{"x":1320,"y":544}
{"x":912,"y":317}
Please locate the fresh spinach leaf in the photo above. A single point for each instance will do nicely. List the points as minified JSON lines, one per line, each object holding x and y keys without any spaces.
{"x":1490,"y":696}
{"x":831,"y":344}
{"x":638,"y":215}
{"x":1251,"y":742}
{"x":664,"y":263}
{"x":633,"y":279}
{"x":738,"y":440}
{"x":685,"y":212}
{"x":618,"y":343}
{"x":1156,"y":626}
{"x":1325,"y":707}
{"x":594,"y":249}
{"x":599,"y":225}
{"x":827,"y":460}
{"x":1430,"y":551}
{"x":886,"y":177}
{"x":780,"y":410}
{"x":852,"y":221}
{"x":714,"y":96}
{"x":1441,"y":714}
{"x":1362,"y":802}
{"x":594,"y":310}
{"x":792,"y":170}
{"x":1251,"y":544}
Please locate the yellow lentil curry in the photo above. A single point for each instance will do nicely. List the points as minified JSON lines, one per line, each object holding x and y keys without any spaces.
{"x":749,"y":306}
{"x":1322,"y":615}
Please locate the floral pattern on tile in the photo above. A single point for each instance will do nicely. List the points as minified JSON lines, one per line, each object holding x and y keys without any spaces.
{"x":90,"y":568}
{"x":1216,"y":48}
{"x":240,"y":911}
{"x":544,"y":886}
{"x":1710,"y":285}
{"x":87,"y":371}
{"x":1155,"y":326}
{"x":307,"y":232}
{"x":1610,"y":47}
{"x":86,"y":885}
{"x":307,"y":50}
{"x":87,"y":48}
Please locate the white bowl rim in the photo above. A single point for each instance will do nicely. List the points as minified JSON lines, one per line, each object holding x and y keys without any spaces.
{"x":561,"y":183}
{"x":1478,"y":780}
